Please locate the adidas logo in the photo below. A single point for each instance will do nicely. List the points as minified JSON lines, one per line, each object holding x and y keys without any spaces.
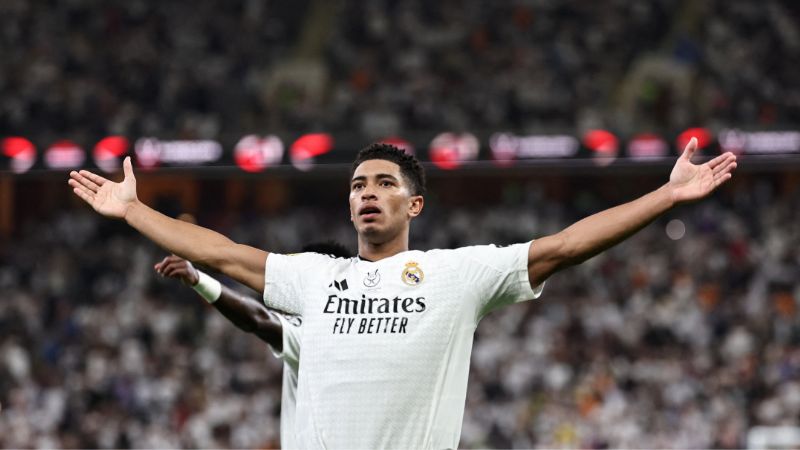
{"x":339,"y":285}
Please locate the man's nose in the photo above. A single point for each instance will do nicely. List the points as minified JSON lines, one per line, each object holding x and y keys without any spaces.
{"x":368,"y":193}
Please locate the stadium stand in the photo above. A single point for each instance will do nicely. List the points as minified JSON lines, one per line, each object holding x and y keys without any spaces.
{"x":386,"y":67}
{"x":661,"y":343}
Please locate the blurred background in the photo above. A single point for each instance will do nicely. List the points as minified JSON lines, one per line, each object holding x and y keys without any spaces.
{"x":528,"y":115}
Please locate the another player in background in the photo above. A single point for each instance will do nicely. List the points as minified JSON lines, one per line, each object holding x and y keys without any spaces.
{"x":387,"y":337}
{"x":249,"y":314}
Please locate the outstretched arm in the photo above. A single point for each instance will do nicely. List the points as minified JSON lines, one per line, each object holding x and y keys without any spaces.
{"x":594,"y":234}
{"x":118,"y":200}
{"x":247,"y":313}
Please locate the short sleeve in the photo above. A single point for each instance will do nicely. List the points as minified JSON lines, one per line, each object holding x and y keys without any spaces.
{"x":290,"y":353}
{"x":287,"y":276}
{"x":499,"y":275}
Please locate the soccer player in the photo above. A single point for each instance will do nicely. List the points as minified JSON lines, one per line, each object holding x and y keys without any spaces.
{"x":252,"y":316}
{"x":388,"y":335}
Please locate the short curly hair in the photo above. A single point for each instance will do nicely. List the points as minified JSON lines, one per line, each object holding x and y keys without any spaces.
{"x":410,"y":167}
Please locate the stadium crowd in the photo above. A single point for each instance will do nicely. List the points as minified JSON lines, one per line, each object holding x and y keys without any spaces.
{"x":654,"y":344}
{"x":201,"y":69}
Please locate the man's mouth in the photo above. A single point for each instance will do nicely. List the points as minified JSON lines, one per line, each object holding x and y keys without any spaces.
{"x":369,"y":212}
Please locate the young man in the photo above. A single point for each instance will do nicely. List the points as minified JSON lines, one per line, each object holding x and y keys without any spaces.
{"x":387,"y":336}
{"x":252,"y":316}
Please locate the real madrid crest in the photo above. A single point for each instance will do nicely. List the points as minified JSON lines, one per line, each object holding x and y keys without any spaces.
{"x":412,"y":274}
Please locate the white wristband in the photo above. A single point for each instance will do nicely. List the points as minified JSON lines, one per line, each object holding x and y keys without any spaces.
{"x":208,"y":288}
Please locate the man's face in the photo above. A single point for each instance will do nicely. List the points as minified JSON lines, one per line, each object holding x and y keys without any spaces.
{"x":381,"y":200}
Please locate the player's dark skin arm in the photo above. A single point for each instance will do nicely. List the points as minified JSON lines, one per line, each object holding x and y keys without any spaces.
{"x":588,"y":237}
{"x":247,"y":313}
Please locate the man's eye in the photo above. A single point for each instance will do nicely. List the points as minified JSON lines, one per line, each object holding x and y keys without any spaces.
{"x":357,"y":186}
{"x":386,"y":183}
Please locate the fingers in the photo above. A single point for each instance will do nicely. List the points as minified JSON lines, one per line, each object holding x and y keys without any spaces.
{"x":97,"y":179}
{"x":164,"y":266}
{"x":721,"y":167}
{"x":171,"y":270}
{"x":726,"y":167}
{"x":81,"y":191}
{"x":174,"y":271}
{"x":171,"y":259}
{"x":690,"y":149}
{"x":723,"y":178}
{"x":159,"y":265}
{"x":173,"y":267}
{"x":723,"y":163}
{"x":127,"y":167}
{"x":722,"y":170}
{"x":722,"y":160}
{"x":719,"y":160}
{"x":83,"y":181}
{"x":85,"y":196}
{"x":90,"y":184}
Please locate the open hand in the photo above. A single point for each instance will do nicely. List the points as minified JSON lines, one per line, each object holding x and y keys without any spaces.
{"x":695,"y":181}
{"x":106,"y":197}
{"x":177,"y":267}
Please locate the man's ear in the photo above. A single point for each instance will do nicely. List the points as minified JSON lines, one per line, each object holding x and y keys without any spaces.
{"x":415,"y":205}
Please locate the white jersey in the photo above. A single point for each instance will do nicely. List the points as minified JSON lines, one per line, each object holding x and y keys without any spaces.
{"x":387,"y":344}
{"x":290,"y":354}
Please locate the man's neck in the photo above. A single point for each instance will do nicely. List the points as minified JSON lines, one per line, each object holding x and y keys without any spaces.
{"x":376,"y":251}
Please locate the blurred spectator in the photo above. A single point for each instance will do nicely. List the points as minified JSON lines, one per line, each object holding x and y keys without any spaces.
{"x":90,"y":68}
{"x":653,"y":344}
